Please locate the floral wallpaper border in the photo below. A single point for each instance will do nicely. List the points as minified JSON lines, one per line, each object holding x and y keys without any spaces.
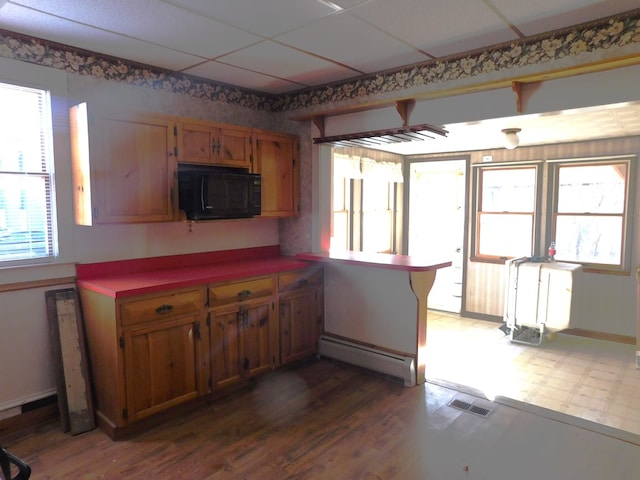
{"x":615,"y":32}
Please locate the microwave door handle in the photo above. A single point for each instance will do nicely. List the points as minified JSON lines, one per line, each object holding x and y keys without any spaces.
{"x":202,"y":204}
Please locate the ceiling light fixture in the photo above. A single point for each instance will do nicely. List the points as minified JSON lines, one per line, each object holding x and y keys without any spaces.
{"x":511,"y":139}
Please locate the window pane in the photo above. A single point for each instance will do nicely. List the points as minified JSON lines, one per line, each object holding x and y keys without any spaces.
{"x":376,"y":231}
{"x":24,"y":228}
{"x":339,"y":189}
{"x":21,"y":129}
{"x":340,"y":237}
{"x":505,"y":235}
{"x":508,"y":190}
{"x":589,"y":239}
{"x":592,"y":188}
{"x":377,"y":218}
{"x":375,"y":194}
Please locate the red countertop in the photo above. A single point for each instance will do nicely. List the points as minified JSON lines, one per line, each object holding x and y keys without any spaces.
{"x":124,"y":278}
{"x":380,"y":260}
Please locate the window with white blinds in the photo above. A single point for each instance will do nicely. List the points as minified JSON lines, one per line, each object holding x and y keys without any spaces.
{"x":27,"y":225}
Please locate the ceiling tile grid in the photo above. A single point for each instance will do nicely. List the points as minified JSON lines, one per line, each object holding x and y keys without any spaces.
{"x":348,"y":40}
{"x":533,"y":18}
{"x":266,"y":18}
{"x":438,"y":28}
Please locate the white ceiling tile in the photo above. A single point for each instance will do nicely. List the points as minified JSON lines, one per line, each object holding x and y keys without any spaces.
{"x":48,"y":27}
{"x":532,"y":18}
{"x":348,"y":40}
{"x":284,"y":62}
{"x":153,"y":21}
{"x":231,"y":75}
{"x":438,"y":28}
{"x":263,"y":17}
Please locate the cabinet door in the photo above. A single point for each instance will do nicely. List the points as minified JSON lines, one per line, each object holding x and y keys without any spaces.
{"x":275,"y":157}
{"x":242,"y":339}
{"x":161,"y":366}
{"x":257,"y":352}
{"x":224,"y":342}
{"x":127,"y":173}
{"x":300,"y":323}
{"x":214,"y":144}
{"x":234,"y":147}
{"x":197,"y":143}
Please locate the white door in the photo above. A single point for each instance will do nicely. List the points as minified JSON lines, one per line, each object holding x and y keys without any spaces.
{"x":437,"y":207}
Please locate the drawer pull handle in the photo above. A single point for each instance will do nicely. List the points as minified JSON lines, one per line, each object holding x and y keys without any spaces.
{"x":244,"y":294}
{"x":162,"y":309}
{"x":303,"y":282}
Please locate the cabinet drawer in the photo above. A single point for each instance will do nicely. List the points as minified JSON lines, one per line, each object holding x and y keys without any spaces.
{"x":160,"y":307}
{"x":311,"y":277}
{"x":223,"y":294}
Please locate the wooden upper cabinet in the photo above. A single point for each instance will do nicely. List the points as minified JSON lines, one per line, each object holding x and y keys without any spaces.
{"x":214,"y":144}
{"x":123,"y":166}
{"x":276,"y":158}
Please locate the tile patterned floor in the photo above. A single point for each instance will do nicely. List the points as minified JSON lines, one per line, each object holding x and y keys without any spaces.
{"x":591,"y":379}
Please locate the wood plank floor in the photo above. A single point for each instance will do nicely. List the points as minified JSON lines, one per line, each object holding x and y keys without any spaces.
{"x":325,"y":420}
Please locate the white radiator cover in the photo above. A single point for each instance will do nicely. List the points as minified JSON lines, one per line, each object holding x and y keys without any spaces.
{"x":399,"y":366}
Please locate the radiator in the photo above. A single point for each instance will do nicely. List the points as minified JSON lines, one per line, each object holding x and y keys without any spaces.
{"x":399,"y":366}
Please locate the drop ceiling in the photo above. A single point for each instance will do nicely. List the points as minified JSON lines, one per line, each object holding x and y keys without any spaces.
{"x":282,"y":46}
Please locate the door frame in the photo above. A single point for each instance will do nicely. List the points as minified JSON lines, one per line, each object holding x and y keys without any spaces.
{"x":407,"y":213}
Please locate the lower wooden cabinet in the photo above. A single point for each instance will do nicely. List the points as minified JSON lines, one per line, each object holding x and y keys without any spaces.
{"x":301,"y":308}
{"x":146,"y":353}
{"x":161,"y":366}
{"x":149,"y":353}
{"x":242,"y":329}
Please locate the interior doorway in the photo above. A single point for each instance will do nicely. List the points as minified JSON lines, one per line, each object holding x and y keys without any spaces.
{"x":437,"y":208}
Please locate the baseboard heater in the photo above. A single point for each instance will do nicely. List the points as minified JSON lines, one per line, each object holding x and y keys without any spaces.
{"x":399,"y":366}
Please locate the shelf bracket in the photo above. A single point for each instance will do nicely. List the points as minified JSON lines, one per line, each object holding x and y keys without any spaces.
{"x":404,"y":109}
{"x":318,"y":121}
{"x":517,"y":89}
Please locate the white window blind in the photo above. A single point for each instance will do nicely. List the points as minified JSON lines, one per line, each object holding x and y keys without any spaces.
{"x":27,"y":229}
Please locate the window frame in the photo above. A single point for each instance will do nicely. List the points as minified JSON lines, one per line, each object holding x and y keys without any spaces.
{"x":554,"y":166}
{"x":18,"y":78}
{"x":477,"y":177}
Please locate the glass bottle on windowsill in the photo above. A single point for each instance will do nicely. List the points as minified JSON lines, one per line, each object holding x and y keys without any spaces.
{"x":551,"y":255}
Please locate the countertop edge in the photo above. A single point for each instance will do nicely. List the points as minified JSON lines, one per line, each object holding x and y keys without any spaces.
{"x":380,"y":260}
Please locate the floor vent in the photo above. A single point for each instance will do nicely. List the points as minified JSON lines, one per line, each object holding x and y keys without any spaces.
{"x":469,"y":407}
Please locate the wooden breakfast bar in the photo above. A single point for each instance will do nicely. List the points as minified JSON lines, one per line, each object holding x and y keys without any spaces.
{"x":379,"y":300}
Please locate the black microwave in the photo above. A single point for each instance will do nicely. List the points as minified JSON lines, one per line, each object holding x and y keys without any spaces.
{"x":212,"y":192}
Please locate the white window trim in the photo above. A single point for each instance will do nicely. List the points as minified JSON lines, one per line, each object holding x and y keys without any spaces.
{"x":55,"y":82}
